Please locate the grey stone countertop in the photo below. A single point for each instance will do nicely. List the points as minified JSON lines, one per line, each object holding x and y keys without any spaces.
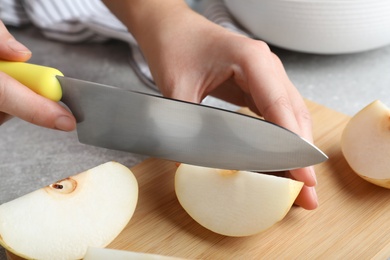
{"x":32,"y":157}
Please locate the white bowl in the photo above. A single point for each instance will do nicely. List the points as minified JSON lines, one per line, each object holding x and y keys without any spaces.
{"x":316,"y":26}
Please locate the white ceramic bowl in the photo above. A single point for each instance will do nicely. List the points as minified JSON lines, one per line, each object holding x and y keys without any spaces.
{"x":316,"y":26}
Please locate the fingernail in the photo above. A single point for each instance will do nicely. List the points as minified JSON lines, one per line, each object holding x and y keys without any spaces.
{"x":65,"y":123}
{"x":314,"y":175}
{"x":18,"y":47}
{"x":313,"y":191}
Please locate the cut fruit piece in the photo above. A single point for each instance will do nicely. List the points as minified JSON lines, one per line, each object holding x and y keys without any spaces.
{"x":365,"y":143}
{"x":94,"y":253}
{"x":62,"y":220}
{"x":234,"y":203}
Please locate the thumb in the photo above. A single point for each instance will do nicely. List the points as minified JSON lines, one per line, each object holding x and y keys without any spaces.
{"x":11,"y":49}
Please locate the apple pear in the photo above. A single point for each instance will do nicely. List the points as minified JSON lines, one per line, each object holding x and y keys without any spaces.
{"x":62,"y":220}
{"x":234,"y":203}
{"x":94,"y":253}
{"x":365,"y":143}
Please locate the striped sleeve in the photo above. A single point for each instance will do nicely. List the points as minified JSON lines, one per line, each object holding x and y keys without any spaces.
{"x":13,"y":13}
{"x":68,"y":20}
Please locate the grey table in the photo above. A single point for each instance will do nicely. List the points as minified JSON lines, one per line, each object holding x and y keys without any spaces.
{"x":32,"y":157}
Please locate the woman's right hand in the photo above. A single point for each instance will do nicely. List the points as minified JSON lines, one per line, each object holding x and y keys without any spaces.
{"x":19,"y":101}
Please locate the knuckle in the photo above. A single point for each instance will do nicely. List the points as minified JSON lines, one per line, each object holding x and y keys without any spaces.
{"x":276,"y":59}
{"x":256,"y":48}
{"x":262,"y":46}
{"x":305,"y":115}
{"x":256,"y":54}
{"x":282,"y":103}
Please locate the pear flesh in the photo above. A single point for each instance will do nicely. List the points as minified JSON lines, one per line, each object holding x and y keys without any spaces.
{"x":234,"y":203}
{"x":62,"y":220}
{"x":365,"y":143}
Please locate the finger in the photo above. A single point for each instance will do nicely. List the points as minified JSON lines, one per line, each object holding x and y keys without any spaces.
{"x":300,"y":110}
{"x":276,"y":105}
{"x":306,"y":175}
{"x":303,"y":119}
{"x":19,"y":101}
{"x":259,"y":76}
{"x":11,"y":49}
{"x":287,"y":108}
{"x":273,"y":100}
{"x":4,"y":117}
{"x":307,"y":198}
{"x":280,"y":102}
{"x":263,"y":76}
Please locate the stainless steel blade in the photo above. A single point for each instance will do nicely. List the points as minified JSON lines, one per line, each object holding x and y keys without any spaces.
{"x":180,"y":131}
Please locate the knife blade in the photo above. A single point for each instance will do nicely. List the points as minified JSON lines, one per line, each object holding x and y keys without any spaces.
{"x":170,"y":129}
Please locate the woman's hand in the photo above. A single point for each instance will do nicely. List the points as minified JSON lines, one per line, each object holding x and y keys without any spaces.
{"x":191,"y":57}
{"x":18,"y":100}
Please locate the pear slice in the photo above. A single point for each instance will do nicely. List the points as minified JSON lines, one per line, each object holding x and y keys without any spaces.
{"x":62,"y":220}
{"x":94,"y":253}
{"x":365,"y":143}
{"x":234,"y":203}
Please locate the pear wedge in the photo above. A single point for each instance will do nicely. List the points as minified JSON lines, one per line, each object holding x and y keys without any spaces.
{"x":365,"y":143}
{"x":62,"y":220}
{"x":234,"y":203}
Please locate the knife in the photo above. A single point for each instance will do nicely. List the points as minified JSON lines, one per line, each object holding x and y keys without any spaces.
{"x":170,"y":129}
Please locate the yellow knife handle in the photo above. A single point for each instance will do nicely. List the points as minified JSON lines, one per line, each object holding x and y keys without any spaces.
{"x":39,"y":79}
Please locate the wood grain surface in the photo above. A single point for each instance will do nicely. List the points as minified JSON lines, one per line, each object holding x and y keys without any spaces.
{"x":352,"y":221}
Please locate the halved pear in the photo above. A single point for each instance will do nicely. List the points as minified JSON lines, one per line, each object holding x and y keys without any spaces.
{"x":94,"y":253}
{"x":365,"y":143}
{"x":62,"y":220}
{"x":234,"y":203}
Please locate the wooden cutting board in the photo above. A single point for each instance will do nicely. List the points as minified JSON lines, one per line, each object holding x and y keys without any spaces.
{"x":352,"y":221}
